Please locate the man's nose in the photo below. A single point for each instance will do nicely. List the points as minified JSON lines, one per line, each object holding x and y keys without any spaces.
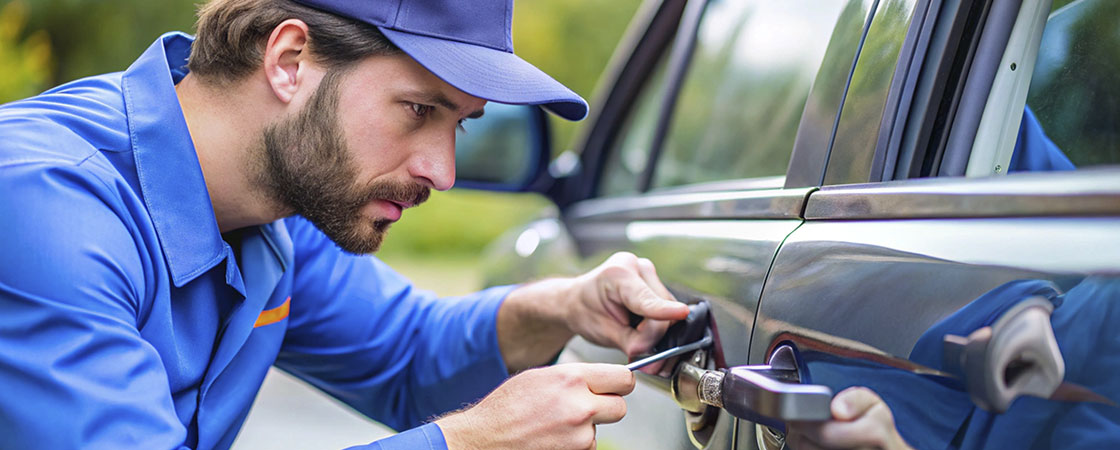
{"x":435,"y":164}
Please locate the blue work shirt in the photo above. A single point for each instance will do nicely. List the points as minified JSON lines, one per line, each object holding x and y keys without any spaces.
{"x":128,"y":321}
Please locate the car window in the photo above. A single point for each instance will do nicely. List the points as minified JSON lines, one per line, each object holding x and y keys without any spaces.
{"x":1072,"y":119}
{"x":628,"y":156}
{"x":742,"y":97}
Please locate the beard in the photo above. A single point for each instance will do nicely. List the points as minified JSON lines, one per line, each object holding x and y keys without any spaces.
{"x":307,"y":168}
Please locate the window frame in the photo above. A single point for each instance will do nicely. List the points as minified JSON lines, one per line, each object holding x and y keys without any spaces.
{"x":661,"y":34}
{"x":949,"y":66}
{"x":651,"y":33}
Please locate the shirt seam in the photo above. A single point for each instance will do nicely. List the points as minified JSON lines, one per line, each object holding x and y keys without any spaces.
{"x":138,"y":300}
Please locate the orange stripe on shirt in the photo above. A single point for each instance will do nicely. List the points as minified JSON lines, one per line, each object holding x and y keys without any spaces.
{"x":271,"y":316}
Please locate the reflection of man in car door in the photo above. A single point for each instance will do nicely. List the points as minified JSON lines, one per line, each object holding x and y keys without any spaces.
{"x":937,"y":412}
{"x":863,"y":419}
{"x":1034,"y":151}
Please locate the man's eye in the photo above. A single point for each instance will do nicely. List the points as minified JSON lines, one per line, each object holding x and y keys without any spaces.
{"x":421,"y":110}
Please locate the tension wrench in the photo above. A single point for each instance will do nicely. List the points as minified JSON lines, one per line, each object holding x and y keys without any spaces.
{"x":675,"y":351}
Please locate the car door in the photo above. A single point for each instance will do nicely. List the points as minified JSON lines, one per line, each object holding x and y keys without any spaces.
{"x":700,"y":157}
{"x":921,"y":254}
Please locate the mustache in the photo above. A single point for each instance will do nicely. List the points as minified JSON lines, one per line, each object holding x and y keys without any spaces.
{"x":399,"y":192}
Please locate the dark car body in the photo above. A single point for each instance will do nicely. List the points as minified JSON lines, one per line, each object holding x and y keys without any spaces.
{"x":857,"y":180}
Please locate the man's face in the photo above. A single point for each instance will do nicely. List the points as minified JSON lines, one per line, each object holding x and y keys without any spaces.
{"x":371,"y":141}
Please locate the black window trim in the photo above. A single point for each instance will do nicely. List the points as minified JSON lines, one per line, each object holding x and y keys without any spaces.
{"x":679,"y":58}
{"x":932,"y":113}
{"x":631,"y":69}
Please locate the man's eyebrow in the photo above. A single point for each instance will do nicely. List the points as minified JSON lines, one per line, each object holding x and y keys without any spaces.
{"x":442,"y":100}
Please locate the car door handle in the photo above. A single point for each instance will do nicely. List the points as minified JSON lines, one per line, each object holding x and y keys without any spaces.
{"x":768,"y":394}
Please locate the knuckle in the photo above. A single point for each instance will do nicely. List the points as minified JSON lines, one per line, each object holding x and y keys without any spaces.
{"x":626,"y":259}
{"x":614,"y":272}
{"x":883,"y":414}
{"x":580,"y":415}
{"x":566,"y":378}
{"x":624,"y":255}
{"x":863,"y":393}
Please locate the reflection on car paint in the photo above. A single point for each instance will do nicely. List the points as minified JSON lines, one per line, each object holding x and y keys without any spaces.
{"x":934,"y":410}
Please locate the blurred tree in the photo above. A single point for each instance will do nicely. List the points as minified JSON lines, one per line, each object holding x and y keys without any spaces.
{"x":97,"y":36}
{"x":26,"y":58}
{"x":572,"y":41}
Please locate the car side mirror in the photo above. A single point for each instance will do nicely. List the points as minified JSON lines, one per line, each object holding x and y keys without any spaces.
{"x":507,"y":149}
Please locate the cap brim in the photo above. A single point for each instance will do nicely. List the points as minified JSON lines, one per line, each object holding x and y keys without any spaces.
{"x":489,"y":74}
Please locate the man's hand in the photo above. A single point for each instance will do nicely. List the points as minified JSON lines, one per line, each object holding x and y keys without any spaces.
{"x":548,"y":408}
{"x":860,"y":420}
{"x":623,"y":283}
{"x":537,"y":319}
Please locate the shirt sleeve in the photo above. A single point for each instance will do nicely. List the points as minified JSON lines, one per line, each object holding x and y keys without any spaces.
{"x":1034,"y":151}
{"x":75,"y":370}
{"x":361,"y":332}
{"x":426,"y":436}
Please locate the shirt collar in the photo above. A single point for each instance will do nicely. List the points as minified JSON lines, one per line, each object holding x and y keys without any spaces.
{"x":170,"y":176}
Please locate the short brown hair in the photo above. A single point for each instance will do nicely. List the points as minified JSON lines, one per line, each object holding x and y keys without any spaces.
{"x":231,"y":36}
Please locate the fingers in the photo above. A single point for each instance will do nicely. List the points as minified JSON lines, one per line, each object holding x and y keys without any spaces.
{"x":543,"y":408}
{"x":608,"y":378}
{"x":608,"y":409}
{"x":624,"y":283}
{"x":649,"y":330}
{"x":641,"y":291}
{"x":638,"y":296}
{"x":861,"y":420}
{"x":606,"y":384}
{"x":649,"y":275}
{"x":853,"y":402}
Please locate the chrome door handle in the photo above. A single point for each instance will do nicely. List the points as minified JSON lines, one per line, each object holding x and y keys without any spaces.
{"x":767,"y":394}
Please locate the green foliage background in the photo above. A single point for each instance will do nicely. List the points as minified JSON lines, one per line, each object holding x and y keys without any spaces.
{"x":47,"y":42}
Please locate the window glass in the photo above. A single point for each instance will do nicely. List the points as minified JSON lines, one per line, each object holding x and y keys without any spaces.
{"x":1073,"y":106}
{"x":742,"y":98}
{"x":629,"y":154}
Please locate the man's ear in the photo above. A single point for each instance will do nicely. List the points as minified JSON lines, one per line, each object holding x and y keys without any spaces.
{"x":286,"y":59}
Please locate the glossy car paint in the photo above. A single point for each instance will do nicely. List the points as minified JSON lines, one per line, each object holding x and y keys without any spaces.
{"x":867,"y":290}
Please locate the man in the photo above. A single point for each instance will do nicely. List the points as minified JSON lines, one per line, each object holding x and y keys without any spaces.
{"x":173,"y":230}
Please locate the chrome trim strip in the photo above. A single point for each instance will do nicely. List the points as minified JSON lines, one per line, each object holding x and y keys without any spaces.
{"x":761,"y":204}
{"x":746,"y":184}
{"x":1087,"y":192}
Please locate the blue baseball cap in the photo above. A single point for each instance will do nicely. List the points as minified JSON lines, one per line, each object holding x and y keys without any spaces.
{"x":468,"y":44}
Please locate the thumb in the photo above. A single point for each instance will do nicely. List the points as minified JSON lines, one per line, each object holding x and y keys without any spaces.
{"x":640,"y":299}
{"x":853,"y":402}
